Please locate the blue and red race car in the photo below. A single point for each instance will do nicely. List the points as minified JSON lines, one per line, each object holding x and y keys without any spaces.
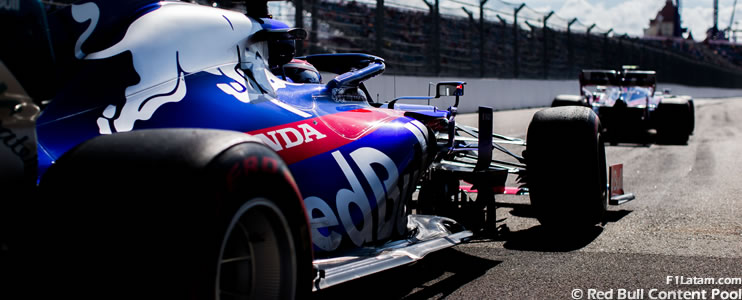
{"x":183,"y":151}
{"x":629,"y":105}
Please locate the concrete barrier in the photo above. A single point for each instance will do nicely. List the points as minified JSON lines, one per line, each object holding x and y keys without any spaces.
{"x":503,"y":94}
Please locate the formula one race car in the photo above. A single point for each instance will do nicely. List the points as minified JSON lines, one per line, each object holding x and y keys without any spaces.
{"x":628,"y":104}
{"x":148,"y":150}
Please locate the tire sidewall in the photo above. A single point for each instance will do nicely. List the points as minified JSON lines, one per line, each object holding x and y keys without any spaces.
{"x":567,"y":174}
{"x":251,"y":174}
{"x":675,"y":120}
{"x":153,"y":221}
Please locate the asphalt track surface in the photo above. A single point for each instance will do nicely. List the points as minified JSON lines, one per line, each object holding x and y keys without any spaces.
{"x":686,"y":221}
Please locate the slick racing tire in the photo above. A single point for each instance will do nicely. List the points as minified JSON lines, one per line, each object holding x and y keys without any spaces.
{"x":566,"y":168}
{"x":569,"y":100}
{"x":178,"y":213}
{"x":675,"y":120}
{"x":692,"y":124}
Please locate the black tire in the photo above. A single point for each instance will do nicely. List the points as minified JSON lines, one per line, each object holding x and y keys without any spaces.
{"x":675,"y":120}
{"x":566,"y":168}
{"x":692,"y":116}
{"x":568,"y":100}
{"x":176,"y":208}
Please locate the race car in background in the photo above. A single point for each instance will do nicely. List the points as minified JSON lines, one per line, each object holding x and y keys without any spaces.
{"x":168,"y":161}
{"x":629,"y":105}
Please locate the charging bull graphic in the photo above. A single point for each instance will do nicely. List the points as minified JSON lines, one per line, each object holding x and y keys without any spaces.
{"x":202,"y":43}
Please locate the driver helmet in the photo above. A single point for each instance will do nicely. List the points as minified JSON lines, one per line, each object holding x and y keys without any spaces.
{"x":281,"y":58}
{"x":279,"y":51}
{"x":299,"y":71}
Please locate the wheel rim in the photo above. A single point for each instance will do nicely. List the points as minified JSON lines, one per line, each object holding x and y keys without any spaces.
{"x":257,"y":257}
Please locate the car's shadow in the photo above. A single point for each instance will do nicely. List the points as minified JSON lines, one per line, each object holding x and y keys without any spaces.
{"x":644,"y":140}
{"x":416,"y":281}
{"x":540,"y":238}
{"x":638,"y":141}
{"x":441,"y":273}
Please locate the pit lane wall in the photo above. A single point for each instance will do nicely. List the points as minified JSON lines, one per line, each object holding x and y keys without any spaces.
{"x":504,"y":94}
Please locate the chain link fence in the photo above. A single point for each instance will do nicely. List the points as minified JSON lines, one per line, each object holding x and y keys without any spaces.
{"x":513,"y":41}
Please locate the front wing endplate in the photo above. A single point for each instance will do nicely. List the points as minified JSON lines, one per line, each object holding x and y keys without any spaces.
{"x":618,"y":196}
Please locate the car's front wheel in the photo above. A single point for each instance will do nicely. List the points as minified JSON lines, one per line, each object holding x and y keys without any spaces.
{"x":566,"y":167}
{"x":675,"y":120}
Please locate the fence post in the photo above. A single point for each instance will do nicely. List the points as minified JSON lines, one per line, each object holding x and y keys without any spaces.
{"x":589,"y":47}
{"x":315,"y":28}
{"x":532,"y":45}
{"x":482,"y":63}
{"x":546,"y":54}
{"x":435,"y":41}
{"x":471,"y":40}
{"x":605,"y":49}
{"x":299,"y":23}
{"x":570,"y":49}
{"x":503,"y":33}
{"x":379,"y":26}
{"x":516,"y":32}
{"x":437,"y":38}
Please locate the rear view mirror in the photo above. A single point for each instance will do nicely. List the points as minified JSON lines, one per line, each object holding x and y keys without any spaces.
{"x":450,"y":88}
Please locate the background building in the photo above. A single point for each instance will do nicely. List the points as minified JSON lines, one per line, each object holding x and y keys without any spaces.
{"x":666,"y":23}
